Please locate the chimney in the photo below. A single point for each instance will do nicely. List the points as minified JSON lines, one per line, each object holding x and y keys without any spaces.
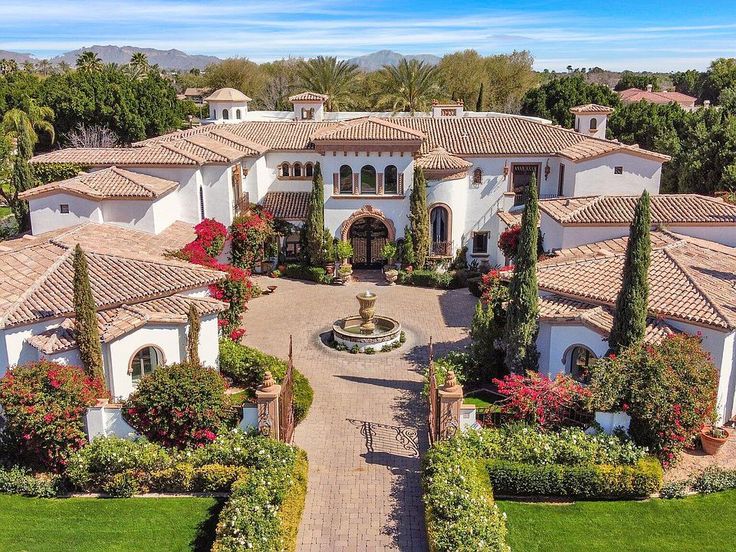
{"x":649,"y":87}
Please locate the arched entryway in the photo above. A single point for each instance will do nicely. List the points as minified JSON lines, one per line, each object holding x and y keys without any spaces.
{"x":368,"y":235}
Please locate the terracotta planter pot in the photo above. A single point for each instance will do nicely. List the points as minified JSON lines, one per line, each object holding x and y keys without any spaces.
{"x":391,"y":276}
{"x":330,"y":268}
{"x":711,"y":445}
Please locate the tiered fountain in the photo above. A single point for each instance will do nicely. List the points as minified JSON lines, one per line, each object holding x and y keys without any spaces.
{"x":366,"y":331}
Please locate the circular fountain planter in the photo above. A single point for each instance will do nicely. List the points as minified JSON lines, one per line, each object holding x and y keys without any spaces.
{"x":348,"y":332}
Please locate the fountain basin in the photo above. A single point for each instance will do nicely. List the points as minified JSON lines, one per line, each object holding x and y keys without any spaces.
{"x":348,"y":332}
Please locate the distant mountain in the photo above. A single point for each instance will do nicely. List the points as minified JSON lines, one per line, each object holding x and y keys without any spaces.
{"x":376,"y":60}
{"x":166,"y":59}
{"x":17,"y":56}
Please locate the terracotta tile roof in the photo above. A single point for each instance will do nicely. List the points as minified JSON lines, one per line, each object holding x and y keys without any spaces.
{"x":690,"y":280}
{"x":632,"y":95}
{"x":591,"y":108}
{"x":596,"y":147}
{"x":666,"y":209}
{"x":118,"y":321}
{"x":36,"y":280}
{"x":510,"y":219}
{"x":366,"y":129}
{"x":110,"y":183}
{"x":124,"y":157}
{"x":439,"y":159}
{"x":227,"y":95}
{"x":596,"y":317}
{"x":287,"y":205}
{"x":308,"y":97}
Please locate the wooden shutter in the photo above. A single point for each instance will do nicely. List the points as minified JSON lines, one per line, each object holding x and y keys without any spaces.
{"x":335,"y":183}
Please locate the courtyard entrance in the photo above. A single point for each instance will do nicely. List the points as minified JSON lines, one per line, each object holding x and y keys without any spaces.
{"x":367,"y":235}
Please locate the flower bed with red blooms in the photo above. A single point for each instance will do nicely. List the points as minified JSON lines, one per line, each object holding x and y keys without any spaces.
{"x":179,"y":405}
{"x":211,"y":236}
{"x":44,"y":404}
{"x":508,"y":241}
{"x":250,"y":231}
{"x":548,"y":403}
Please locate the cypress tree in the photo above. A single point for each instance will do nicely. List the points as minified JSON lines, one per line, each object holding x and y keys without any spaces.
{"x":479,"y":103}
{"x":630,"y":316}
{"x":193,"y":337}
{"x":86,"y":331}
{"x":407,"y":251}
{"x":522,"y":325}
{"x":316,"y":218}
{"x":419,"y":218}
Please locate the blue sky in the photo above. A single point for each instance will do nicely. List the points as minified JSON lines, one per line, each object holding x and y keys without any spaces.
{"x":617,"y":34}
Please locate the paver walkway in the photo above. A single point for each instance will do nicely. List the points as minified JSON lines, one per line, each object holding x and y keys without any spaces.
{"x":368,"y":418}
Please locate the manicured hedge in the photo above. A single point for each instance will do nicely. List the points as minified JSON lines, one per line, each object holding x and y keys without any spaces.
{"x":584,"y":481}
{"x":246,"y":366}
{"x":305,"y":272}
{"x":451,"y":279}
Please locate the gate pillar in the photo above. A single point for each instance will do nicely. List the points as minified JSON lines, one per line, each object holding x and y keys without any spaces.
{"x":267,"y":399}
{"x":450,"y":401}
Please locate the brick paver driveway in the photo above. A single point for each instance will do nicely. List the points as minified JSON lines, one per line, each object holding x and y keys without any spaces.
{"x":367,"y":421}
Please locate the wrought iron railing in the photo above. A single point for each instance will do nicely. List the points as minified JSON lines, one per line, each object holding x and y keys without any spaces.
{"x":441,"y":249}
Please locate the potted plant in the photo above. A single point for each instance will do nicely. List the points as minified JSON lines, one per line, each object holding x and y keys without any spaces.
{"x":328,"y":251}
{"x":712,"y":438}
{"x":389,"y":272}
{"x":344,"y":251}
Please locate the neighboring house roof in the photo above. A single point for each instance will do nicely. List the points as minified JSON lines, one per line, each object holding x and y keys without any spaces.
{"x":690,"y":279}
{"x":309,"y":97}
{"x":598,"y":318}
{"x":439,"y":159}
{"x":227,"y":95}
{"x":287,"y":205}
{"x":36,"y":279}
{"x":591,"y":108}
{"x":632,"y":95}
{"x":116,"y":322}
{"x":619,"y":210}
{"x":110,"y":183}
{"x":196,"y":91}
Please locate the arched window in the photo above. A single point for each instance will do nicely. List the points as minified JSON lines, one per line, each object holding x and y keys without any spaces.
{"x":346,"y":179}
{"x":310,"y":113}
{"x":238,"y":114}
{"x":581,"y":359}
{"x":391,"y":180}
{"x":439,"y":219}
{"x":144,"y":362}
{"x":309,"y":170}
{"x":477,"y":176}
{"x":297,"y":169}
{"x":594,"y":124}
{"x":225,"y":114}
{"x":368,"y":180}
{"x":284,"y":170}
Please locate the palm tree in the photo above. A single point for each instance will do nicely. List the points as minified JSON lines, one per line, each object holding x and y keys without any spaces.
{"x":138,"y":65}
{"x":8,"y":66}
{"x":44,"y":67}
{"x":89,"y":62}
{"x":409,"y":86}
{"x":64,"y":67}
{"x":326,"y":75}
{"x":25,"y":122}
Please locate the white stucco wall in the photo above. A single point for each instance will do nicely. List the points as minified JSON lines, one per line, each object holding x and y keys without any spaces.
{"x":452,"y":194}
{"x":319,"y":110}
{"x":596,"y":176}
{"x":724,"y":234}
{"x":216,"y":111}
{"x":46,"y":212}
{"x":555,"y":341}
{"x":189,"y":179}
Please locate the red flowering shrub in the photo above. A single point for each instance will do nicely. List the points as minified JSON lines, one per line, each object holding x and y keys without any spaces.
{"x":493,"y":291}
{"x":508,"y":241}
{"x":211,"y":236}
{"x":250,"y":232}
{"x":540,"y":400}
{"x":179,"y":405}
{"x":669,"y":390}
{"x":45,"y":403}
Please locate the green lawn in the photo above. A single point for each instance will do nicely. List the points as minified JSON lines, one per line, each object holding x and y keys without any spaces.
{"x":88,"y":524}
{"x":697,"y":523}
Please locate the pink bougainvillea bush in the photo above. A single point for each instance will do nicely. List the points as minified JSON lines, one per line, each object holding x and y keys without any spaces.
{"x":669,"y":390}
{"x":211,"y":236}
{"x":537,"y":399}
{"x":179,"y":405}
{"x":250,"y":231}
{"x":508,"y":242}
{"x":44,"y":404}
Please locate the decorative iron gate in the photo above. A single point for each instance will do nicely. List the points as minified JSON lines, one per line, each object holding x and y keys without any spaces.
{"x":286,"y":401}
{"x":433,"y":414}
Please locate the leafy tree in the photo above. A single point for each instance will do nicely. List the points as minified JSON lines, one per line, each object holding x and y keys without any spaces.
{"x":721,"y":74}
{"x":630,"y":314}
{"x":194,"y":323}
{"x":281,"y":81}
{"x":409,"y":86}
{"x":648,"y":124}
{"x":522,"y":324}
{"x":688,"y":82}
{"x":239,"y":73}
{"x":488,"y":328}
{"x":326,"y":75}
{"x":554,"y":99}
{"x":419,"y":218}
{"x":86,"y":331}
{"x":479,"y":101}
{"x":629,"y":79}
{"x":508,"y":78}
{"x":462,"y":74}
{"x":316,"y":218}
{"x":89,"y":62}
{"x":407,"y":248}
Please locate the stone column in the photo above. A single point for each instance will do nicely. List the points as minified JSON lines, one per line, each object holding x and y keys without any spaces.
{"x":451,"y":399}
{"x":267,"y":399}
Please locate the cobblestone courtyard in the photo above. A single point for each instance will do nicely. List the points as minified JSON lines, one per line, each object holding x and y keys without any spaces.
{"x":366,"y":427}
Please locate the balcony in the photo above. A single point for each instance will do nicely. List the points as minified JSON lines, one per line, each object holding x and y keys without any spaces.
{"x":441,"y":249}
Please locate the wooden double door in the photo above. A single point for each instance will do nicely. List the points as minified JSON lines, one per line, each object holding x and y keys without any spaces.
{"x":368,"y":236}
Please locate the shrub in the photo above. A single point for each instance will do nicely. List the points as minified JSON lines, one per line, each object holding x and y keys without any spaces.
{"x":211,"y":235}
{"x":178,"y":478}
{"x":486,"y":341}
{"x":17,"y":480}
{"x":304,"y":272}
{"x":426,"y":278}
{"x":121,"y":485}
{"x":247,"y":366}
{"x":668,"y":389}
{"x":178,"y":405}
{"x":508,"y":241}
{"x":579,"y":481}
{"x":44,"y":405}
{"x":713,"y":480}
{"x":674,"y":489}
{"x":249,"y":234}
{"x":540,"y":400}
{"x":216,"y":477}
{"x":474,"y":285}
